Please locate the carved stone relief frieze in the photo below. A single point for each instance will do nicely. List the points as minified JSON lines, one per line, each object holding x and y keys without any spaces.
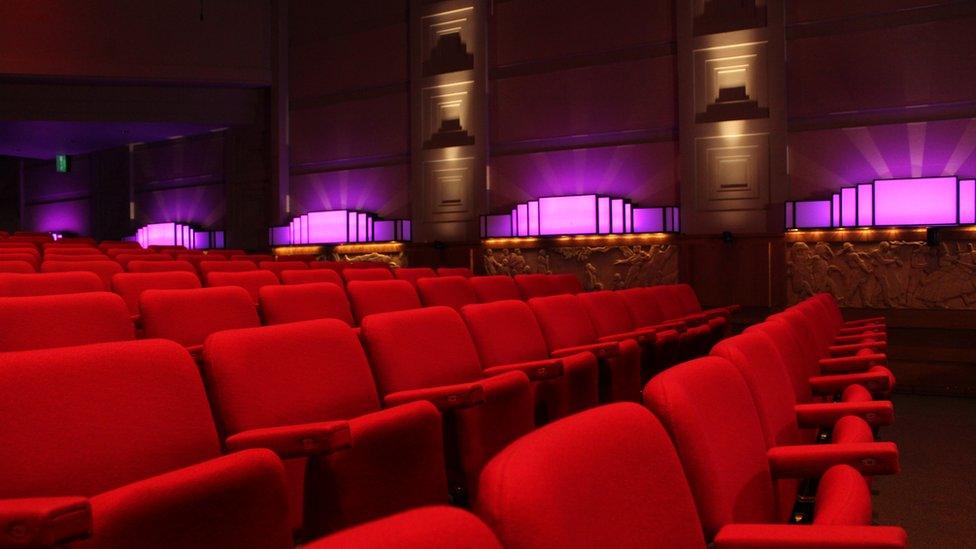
{"x":393,"y":260}
{"x":599,"y":268}
{"x":897,"y":274}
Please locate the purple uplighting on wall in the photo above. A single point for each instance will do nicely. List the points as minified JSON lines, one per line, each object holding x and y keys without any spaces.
{"x":907,"y":202}
{"x":586,"y":214}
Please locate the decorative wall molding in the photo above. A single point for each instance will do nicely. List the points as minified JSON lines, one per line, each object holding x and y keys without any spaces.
{"x":730,"y":83}
{"x":541,"y":66}
{"x":734,"y":172}
{"x":874,"y":21}
{"x":598,"y":267}
{"x":886,"y":274}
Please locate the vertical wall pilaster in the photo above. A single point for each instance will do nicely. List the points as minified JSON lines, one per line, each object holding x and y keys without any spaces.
{"x":449,"y":135}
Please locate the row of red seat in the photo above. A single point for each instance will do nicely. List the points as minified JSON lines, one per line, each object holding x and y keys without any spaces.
{"x":710,"y":465}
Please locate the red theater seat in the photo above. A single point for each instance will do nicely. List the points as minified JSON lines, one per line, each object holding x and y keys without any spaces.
{"x":30,"y":259}
{"x":126,"y":258}
{"x":189,"y":316}
{"x":732,"y":475}
{"x":16,"y":266}
{"x":413,"y":274}
{"x":567,"y":283}
{"x":299,"y":302}
{"x":206,"y":267}
{"x":427,"y":354}
{"x":606,"y":477}
{"x":277,"y":267}
{"x":70,"y":250}
{"x":17,"y":284}
{"x":252,"y":281}
{"x":310,"y":381}
{"x":336,"y":266}
{"x":646,"y":312}
{"x":43,"y":322}
{"x":20,"y":251}
{"x":450,"y":291}
{"x":118,"y":245}
{"x":381,"y":296}
{"x":115,"y":442}
{"x":668,"y":302}
{"x":257,"y":258}
{"x":495,"y":288}
{"x":424,"y":528}
{"x":536,"y":285}
{"x":507,"y":337}
{"x":454,"y":271}
{"x":137,"y":266}
{"x":612,"y":321}
{"x":366,"y":265}
{"x":104,"y":269}
{"x":76,"y":257}
{"x":308,"y":276}
{"x":350,"y":274}
{"x":131,"y":285}
{"x":568,"y":330}
{"x":114,"y":253}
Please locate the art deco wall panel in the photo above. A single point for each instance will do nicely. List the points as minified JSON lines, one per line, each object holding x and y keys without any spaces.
{"x":733,"y":172}
{"x":448,"y":139}
{"x":365,"y":128}
{"x":732,"y":114}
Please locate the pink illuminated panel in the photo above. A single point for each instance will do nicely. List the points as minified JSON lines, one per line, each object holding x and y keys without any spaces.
{"x":534,"y":218}
{"x":835,"y":210}
{"x":363,"y":230}
{"x":813,"y":214}
{"x":848,"y":207}
{"x":327,"y":227}
{"x":628,"y":217}
{"x":923,"y":201}
{"x":789,"y":216}
{"x":865,"y":205}
{"x":565,"y":215}
{"x":384,"y":231}
{"x":603,"y":207}
{"x":161,"y":234}
{"x":617,"y":215}
{"x":498,"y":226}
{"x":648,"y":220}
{"x":967,"y":201}
{"x":523,"y":219}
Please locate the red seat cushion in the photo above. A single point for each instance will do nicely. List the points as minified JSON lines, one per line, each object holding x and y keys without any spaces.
{"x":43,"y":322}
{"x":131,"y":285}
{"x":450,"y":291}
{"x":300,"y":302}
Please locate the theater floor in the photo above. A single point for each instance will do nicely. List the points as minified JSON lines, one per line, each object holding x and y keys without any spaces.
{"x":934,"y":496}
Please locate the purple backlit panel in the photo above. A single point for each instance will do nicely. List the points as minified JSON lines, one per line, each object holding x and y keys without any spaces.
{"x":565,"y":215}
{"x":617,"y":215}
{"x":497,"y":226}
{"x":70,"y":216}
{"x":406,"y":232}
{"x":813,"y":214}
{"x":628,"y":217}
{"x":327,"y":227}
{"x":523,"y":219}
{"x":533,"y":218}
{"x":648,"y":220}
{"x":923,"y":201}
{"x":967,"y":201}
{"x":835,"y":210}
{"x":848,"y":207}
{"x":384,"y":231}
{"x":353,"y":225}
{"x":363,"y":228}
{"x":865,"y":205}
{"x":789,"y":216}
{"x":161,"y":234}
{"x":279,"y":236}
{"x":603,"y":206}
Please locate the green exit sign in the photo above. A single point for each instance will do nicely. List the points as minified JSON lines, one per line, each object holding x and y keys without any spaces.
{"x":62,"y":164}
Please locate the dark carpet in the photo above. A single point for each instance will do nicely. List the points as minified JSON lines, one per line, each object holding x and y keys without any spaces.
{"x":934,"y":496}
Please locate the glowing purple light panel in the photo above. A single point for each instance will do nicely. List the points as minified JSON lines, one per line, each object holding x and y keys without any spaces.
{"x":967,"y":201}
{"x":848,"y":207}
{"x":648,"y":220}
{"x":813,"y":214}
{"x":865,"y":205}
{"x":533,"y":218}
{"x":835,"y":210}
{"x":567,"y":215}
{"x":925,"y":201}
{"x":498,"y":226}
{"x":603,"y":223}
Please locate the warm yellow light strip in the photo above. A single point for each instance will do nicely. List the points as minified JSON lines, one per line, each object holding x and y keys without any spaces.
{"x":579,"y":240}
{"x":376,"y":247}
{"x":298,"y":250}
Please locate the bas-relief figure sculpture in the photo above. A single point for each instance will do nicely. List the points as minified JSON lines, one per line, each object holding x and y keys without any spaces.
{"x":392,"y":260}
{"x":885,"y":274}
{"x":601,"y":267}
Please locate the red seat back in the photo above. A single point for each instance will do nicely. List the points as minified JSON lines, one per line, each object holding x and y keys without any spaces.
{"x":189,"y":316}
{"x":350,"y":274}
{"x":566,"y":283}
{"x":536,"y":285}
{"x":44,"y":322}
{"x":563,"y":320}
{"x":454,"y":271}
{"x":495,"y":288}
{"x":505,"y":332}
{"x":310,"y":276}
{"x":138,"y":266}
{"x":208,"y":266}
{"x":131,"y":285}
{"x":104,"y":269}
{"x":277,"y":267}
{"x":608,"y":311}
{"x":381,"y":296}
{"x":252,"y":281}
{"x":450,"y":291}
{"x":413,"y":274}
{"x":300,"y":302}
{"x":16,"y":284}
{"x":26,"y":259}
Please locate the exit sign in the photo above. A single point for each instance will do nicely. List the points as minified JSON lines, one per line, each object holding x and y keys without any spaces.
{"x":62,"y":164}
